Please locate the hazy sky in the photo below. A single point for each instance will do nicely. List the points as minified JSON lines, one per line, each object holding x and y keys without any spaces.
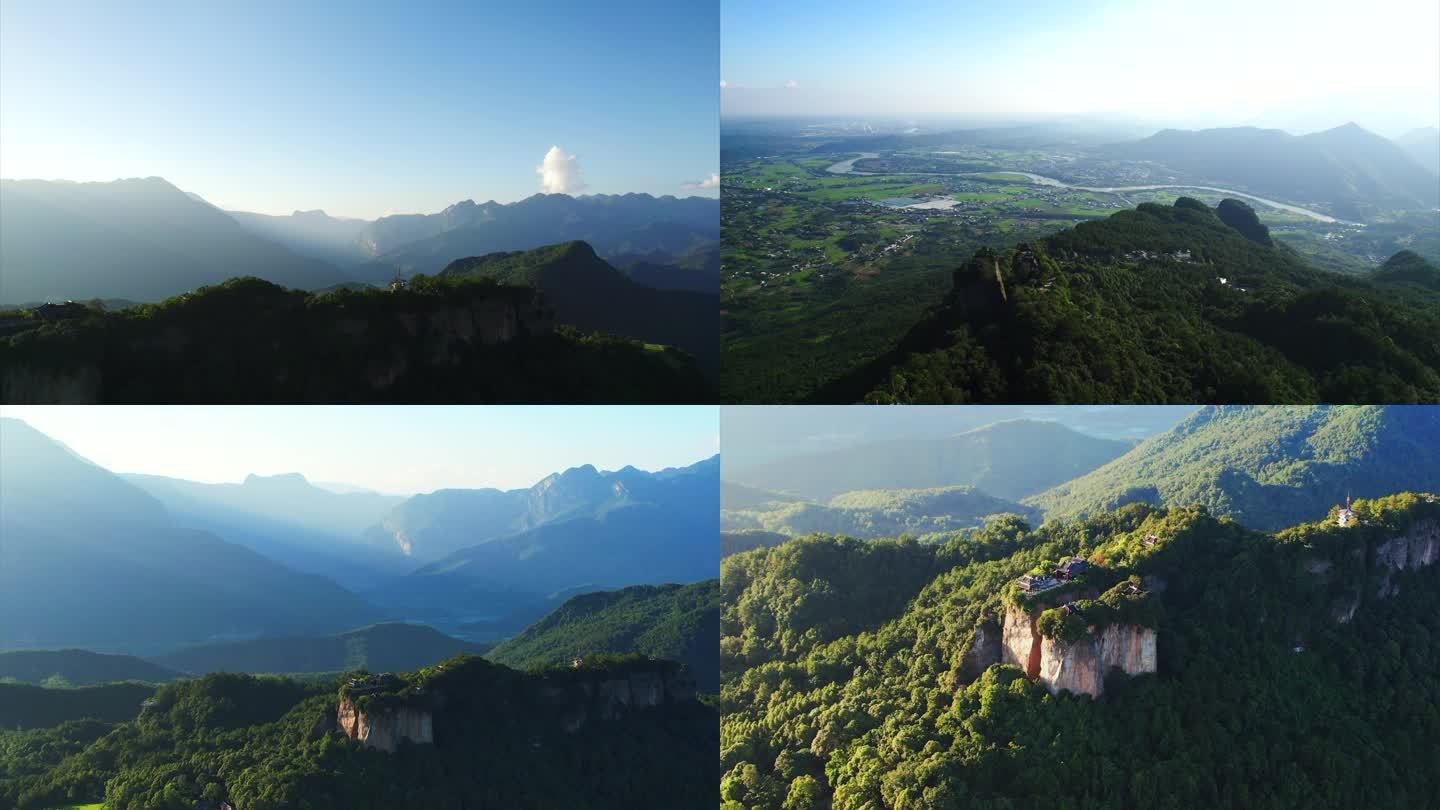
{"x":393,"y":449}
{"x":1297,"y":64}
{"x":361,"y":108}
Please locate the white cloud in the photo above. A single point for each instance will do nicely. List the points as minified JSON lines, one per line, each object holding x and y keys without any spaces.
{"x":559,"y":172}
{"x":713,"y":181}
{"x":791,"y":84}
{"x":724,"y":84}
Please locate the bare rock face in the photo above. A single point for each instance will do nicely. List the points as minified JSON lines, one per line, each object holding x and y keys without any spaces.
{"x":984,"y":650}
{"x":385,"y":728}
{"x":1081,"y":666}
{"x":1020,"y":641}
{"x":1418,"y":547}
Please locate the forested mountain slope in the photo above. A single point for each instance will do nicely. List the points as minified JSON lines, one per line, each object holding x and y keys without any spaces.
{"x":872,"y":674}
{"x":1265,"y":467}
{"x":674,"y":622}
{"x":1178,"y":303}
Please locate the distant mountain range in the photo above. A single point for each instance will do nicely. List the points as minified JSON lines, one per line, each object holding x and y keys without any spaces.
{"x":377,"y":648}
{"x":141,"y":240}
{"x":220,"y":564}
{"x":145,"y":240}
{"x":997,"y":459}
{"x":90,"y":560}
{"x":1266,"y":467}
{"x":1423,"y":146}
{"x":1348,"y":170}
{"x":78,"y":668}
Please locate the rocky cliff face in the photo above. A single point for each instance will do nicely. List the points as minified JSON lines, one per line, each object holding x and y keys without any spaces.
{"x":607,"y":697}
{"x":385,"y":728}
{"x":1418,"y":547}
{"x":985,"y":649}
{"x":1081,"y":666}
{"x":1020,"y":641}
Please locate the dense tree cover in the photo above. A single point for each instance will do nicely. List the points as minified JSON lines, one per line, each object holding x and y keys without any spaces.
{"x":268,"y":743}
{"x":1262,"y":700}
{"x":588,"y":293}
{"x":1165,"y":304}
{"x":879,"y":513}
{"x":1408,"y":267}
{"x":248,"y":340}
{"x":674,"y":622}
{"x":1266,"y":467}
{"x":77,"y":668}
{"x":734,"y":542}
{"x":29,"y":706}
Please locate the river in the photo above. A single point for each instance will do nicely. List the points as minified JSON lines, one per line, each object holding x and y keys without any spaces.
{"x":848,"y":167}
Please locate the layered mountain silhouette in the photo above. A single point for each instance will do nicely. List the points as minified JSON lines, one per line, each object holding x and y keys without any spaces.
{"x":1350,"y":170}
{"x":139,"y":240}
{"x":90,"y":560}
{"x":628,"y":227}
{"x":145,"y":240}
{"x":1423,"y":146}
{"x":996,"y":459}
{"x":432,"y":526}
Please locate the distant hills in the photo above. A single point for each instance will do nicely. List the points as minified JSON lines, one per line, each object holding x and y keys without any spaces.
{"x":90,"y":560}
{"x":141,"y":240}
{"x":78,"y":668}
{"x":218,"y":568}
{"x":432,"y":526}
{"x":878,"y":513}
{"x":1423,"y":146}
{"x":1265,"y":467}
{"x":658,"y":229}
{"x":1179,"y":303}
{"x":146,"y":240}
{"x":389,"y":647}
{"x":1348,"y":170}
{"x":997,"y":459}
{"x":672,"y":622}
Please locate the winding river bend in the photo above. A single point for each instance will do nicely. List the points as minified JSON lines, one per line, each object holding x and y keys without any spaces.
{"x":848,"y":167}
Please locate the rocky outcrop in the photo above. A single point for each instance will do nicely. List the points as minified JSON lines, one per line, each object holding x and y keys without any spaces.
{"x":1020,"y":641}
{"x":985,"y":650}
{"x":385,"y":728}
{"x":1081,"y":666}
{"x":609,"y":696}
{"x":1418,"y":547}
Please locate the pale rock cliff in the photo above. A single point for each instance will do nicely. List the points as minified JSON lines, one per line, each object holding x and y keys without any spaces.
{"x":1081,"y":666}
{"x":385,"y":728}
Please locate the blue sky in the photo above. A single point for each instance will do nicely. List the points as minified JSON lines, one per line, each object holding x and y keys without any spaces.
{"x":1296,"y":64}
{"x":359,"y":108}
{"x":393,"y":449}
